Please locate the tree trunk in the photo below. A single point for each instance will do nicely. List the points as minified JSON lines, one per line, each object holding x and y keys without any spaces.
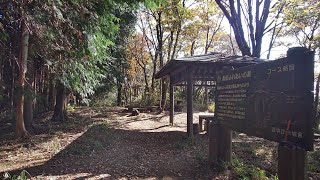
{"x":12,"y":83}
{"x":176,"y":41}
{"x":154,"y":70}
{"x":192,"y":48}
{"x":119,"y":95}
{"x":316,"y":103}
{"x":271,"y":42}
{"x":21,"y":131}
{"x":52,"y":94}
{"x":29,"y":98}
{"x":163,"y":95}
{"x":160,"y":49}
{"x":60,"y":112}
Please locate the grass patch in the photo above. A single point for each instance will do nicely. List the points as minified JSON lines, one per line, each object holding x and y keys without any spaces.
{"x":244,"y":147}
{"x":95,"y":139}
{"x":184,"y":143}
{"x":54,"y":145}
{"x":245,"y":171}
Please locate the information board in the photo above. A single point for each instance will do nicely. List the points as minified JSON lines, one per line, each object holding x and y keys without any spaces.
{"x":272,"y":100}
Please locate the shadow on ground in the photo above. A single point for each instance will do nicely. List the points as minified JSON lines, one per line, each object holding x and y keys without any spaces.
{"x":110,"y":153}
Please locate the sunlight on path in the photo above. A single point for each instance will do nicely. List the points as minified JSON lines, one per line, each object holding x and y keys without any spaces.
{"x":146,"y":122}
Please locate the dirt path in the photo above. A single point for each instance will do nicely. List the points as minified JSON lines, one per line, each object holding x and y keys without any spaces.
{"x":115,"y":146}
{"x":105,"y":143}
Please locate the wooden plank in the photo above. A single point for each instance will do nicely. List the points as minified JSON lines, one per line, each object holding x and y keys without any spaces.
{"x":190,"y":104}
{"x":207,"y":116}
{"x":171,"y":103}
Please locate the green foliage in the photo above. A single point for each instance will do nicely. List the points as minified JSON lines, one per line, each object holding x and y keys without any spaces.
{"x":3,"y":35}
{"x":24,"y":175}
{"x":79,"y":40}
{"x":247,"y":172}
{"x":105,"y":98}
{"x":97,"y":138}
{"x":154,"y":4}
{"x":200,"y":106}
{"x":301,"y":18}
{"x":275,"y":177}
{"x":314,"y":161}
{"x":71,"y":108}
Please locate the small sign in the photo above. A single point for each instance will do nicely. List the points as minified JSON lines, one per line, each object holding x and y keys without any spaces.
{"x":272,"y":100}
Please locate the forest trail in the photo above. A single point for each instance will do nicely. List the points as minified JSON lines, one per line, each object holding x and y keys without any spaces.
{"x":107,"y":143}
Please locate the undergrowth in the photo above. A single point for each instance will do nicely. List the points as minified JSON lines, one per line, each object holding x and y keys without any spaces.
{"x":247,"y":172}
{"x":314,"y":161}
{"x":24,"y":175}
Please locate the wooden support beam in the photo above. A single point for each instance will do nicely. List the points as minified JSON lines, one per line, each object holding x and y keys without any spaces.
{"x":171,"y":103}
{"x":190,"y":103}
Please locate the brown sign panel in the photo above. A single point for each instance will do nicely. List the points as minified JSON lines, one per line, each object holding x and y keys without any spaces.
{"x":272,"y":100}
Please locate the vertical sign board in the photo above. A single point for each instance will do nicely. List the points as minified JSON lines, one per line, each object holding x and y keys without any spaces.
{"x":272,"y":100}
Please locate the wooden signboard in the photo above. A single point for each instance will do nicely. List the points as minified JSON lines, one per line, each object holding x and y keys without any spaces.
{"x":272,"y":100}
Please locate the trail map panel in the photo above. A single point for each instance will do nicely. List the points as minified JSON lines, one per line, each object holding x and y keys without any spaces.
{"x":272,"y":100}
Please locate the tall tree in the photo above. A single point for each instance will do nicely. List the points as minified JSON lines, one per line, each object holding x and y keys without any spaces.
{"x":22,"y":63}
{"x":255,"y":14}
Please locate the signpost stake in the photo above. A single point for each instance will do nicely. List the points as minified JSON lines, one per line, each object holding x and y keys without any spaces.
{"x":225,"y":147}
{"x":213,"y":142}
{"x":220,"y":143}
{"x":291,"y":163}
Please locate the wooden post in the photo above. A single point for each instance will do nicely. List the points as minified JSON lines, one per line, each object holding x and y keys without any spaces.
{"x":189,"y":103}
{"x":213,"y":142}
{"x":171,"y":102}
{"x":291,"y":162}
{"x":220,"y":143}
{"x":225,"y":144}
